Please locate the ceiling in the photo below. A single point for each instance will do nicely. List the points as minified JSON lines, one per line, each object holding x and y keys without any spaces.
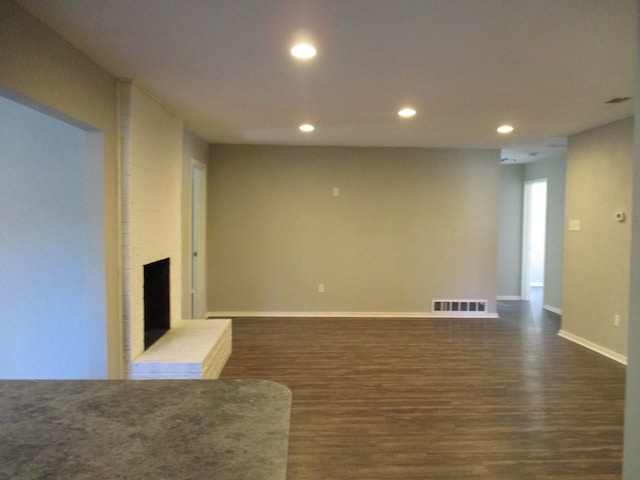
{"x":547,"y":67}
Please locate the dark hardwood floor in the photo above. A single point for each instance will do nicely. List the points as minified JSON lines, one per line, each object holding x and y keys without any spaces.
{"x":439,"y":399}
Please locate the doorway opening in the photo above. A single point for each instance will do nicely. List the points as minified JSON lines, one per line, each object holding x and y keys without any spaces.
{"x":534,"y":222}
{"x":198,"y":238}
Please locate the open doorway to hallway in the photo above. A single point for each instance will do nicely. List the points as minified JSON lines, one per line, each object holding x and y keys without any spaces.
{"x":198,"y":238}
{"x":533,"y":239}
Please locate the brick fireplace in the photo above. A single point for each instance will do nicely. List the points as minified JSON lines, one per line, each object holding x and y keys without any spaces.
{"x":157,"y":342}
{"x":151,"y":148}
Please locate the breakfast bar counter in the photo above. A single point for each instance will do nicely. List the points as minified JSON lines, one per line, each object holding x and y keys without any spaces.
{"x":135,"y":429}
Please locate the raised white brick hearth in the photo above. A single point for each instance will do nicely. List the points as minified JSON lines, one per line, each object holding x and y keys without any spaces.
{"x":192,"y":349}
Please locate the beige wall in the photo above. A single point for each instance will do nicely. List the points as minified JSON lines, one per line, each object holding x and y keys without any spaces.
{"x":510,"y":232}
{"x":597,"y":257}
{"x":39,"y":66}
{"x":409,"y":225}
{"x":631,"y":462}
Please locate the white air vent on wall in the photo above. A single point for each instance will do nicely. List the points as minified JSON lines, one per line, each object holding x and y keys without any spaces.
{"x":459,"y":306}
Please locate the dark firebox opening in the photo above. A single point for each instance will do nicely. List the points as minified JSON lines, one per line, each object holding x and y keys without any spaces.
{"x":156,"y":301}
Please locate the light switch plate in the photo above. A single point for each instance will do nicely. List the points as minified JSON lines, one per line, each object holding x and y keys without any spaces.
{"x":574,"y":224}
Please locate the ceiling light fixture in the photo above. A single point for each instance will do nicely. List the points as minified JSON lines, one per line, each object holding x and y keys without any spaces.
{"x":505,"y":129}
{"x":303,"y":51}
{"x":306,"y":127}
{"x":407,"y":112}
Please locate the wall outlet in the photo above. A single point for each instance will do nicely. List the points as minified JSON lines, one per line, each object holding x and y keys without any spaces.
{"x":616,"y":320}
{"x":321,"y":288}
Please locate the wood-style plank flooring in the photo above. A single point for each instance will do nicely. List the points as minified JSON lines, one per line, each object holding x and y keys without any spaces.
{"x":500,"y":399}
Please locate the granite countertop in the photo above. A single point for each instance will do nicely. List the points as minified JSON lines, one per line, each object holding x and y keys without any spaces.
{"x":158,"y":429}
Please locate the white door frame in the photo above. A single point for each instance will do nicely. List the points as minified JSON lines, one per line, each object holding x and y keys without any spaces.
{"x":198,"y":238}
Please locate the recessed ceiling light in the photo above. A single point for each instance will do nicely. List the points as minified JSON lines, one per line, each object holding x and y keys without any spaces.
{"x":306,"y":127}
{"x":303,"y":51}
{"x":407,"y":112}
{"x":505,"y":129}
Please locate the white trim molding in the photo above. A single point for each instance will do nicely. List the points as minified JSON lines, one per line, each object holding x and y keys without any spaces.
{"x":552,"y":309}
{"x":469,"y":315}
{"x":593,"y":346}
{"x":508,"y":297}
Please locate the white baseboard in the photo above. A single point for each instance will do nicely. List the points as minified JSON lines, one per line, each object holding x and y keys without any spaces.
{"x":552,"y":309}
{"x":238,"y":314}
{"x":593,"y":346}
{"x":508,"y":297}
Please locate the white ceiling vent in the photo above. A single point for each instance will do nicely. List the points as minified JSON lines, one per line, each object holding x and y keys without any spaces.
{"x":465,"y":307}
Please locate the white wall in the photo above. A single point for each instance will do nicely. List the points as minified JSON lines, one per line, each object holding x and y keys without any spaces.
{"x":52,"y":277}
